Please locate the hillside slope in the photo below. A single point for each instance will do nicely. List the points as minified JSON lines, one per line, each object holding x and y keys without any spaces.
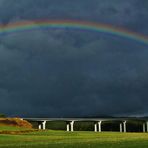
{"x":18,"y":122}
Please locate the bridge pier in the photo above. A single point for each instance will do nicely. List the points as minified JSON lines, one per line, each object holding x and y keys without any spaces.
{"x":95,"y":127}
{"x":99,"y":126}
{"x":67,"y":126}
{"x":146,"y":126}
{"x":144,"y":130}
{"x":70,"y":126}
{"x":39,"y":125}
{"x":124,"y":126}
{"x":42,"y":125}
{"x":121,"y":127}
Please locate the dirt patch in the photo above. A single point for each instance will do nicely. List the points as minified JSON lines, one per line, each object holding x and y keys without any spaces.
{"x":18,"y":132}
{"x":18,"y":122}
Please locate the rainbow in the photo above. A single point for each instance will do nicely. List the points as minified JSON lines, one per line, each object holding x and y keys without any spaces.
{"x":72,"y":24}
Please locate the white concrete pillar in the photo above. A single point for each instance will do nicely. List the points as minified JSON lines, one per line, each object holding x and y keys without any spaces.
{"x":68,"y":126}
{"x":44,"y":125}
{"x":121,"y":127}
{"x":147,"y":126}
{"x":40,"y":126}
{"x":124,"y":126}
{"x":95,"y":127}
{"x":72,"y":127}
{"x":99,"y":126}
{"x":144,"y":127}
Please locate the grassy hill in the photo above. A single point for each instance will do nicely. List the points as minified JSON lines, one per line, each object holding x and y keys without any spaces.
{"x":14,"y":126}
{"x":15,"y":122}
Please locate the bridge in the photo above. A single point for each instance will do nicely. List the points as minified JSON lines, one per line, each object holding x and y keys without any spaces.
{"x":97,"y":122}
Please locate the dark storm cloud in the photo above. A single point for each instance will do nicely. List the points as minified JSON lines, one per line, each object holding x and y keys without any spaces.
{"x":72,"y":73}
{"x":123,"y":13}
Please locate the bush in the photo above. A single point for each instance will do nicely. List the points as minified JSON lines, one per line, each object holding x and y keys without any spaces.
{"x":2,"y":116}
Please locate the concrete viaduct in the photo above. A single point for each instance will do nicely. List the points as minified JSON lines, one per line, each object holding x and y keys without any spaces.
{"x":97,"y":122}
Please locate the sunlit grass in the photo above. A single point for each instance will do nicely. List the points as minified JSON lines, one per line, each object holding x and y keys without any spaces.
{"x":63,"y":139}
{"x":11,"y":128}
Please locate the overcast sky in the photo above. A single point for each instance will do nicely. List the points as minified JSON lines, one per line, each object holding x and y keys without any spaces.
{"x":70,"y":73}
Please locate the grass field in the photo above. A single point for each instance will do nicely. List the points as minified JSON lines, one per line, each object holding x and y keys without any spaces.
{"x":11,"y":128}
{"x":62,"y":139}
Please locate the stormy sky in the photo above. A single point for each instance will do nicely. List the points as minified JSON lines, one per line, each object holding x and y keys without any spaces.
{"x":74,"y":73}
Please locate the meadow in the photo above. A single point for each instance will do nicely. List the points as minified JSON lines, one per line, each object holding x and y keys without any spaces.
{"x":78,"y":139}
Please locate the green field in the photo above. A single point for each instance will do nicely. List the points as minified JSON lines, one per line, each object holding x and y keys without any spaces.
{"x":11,"y":128}
{"x":62,"y":139}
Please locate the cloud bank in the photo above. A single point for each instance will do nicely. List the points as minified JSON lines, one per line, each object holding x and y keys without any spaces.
{"x":61,"y":73}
